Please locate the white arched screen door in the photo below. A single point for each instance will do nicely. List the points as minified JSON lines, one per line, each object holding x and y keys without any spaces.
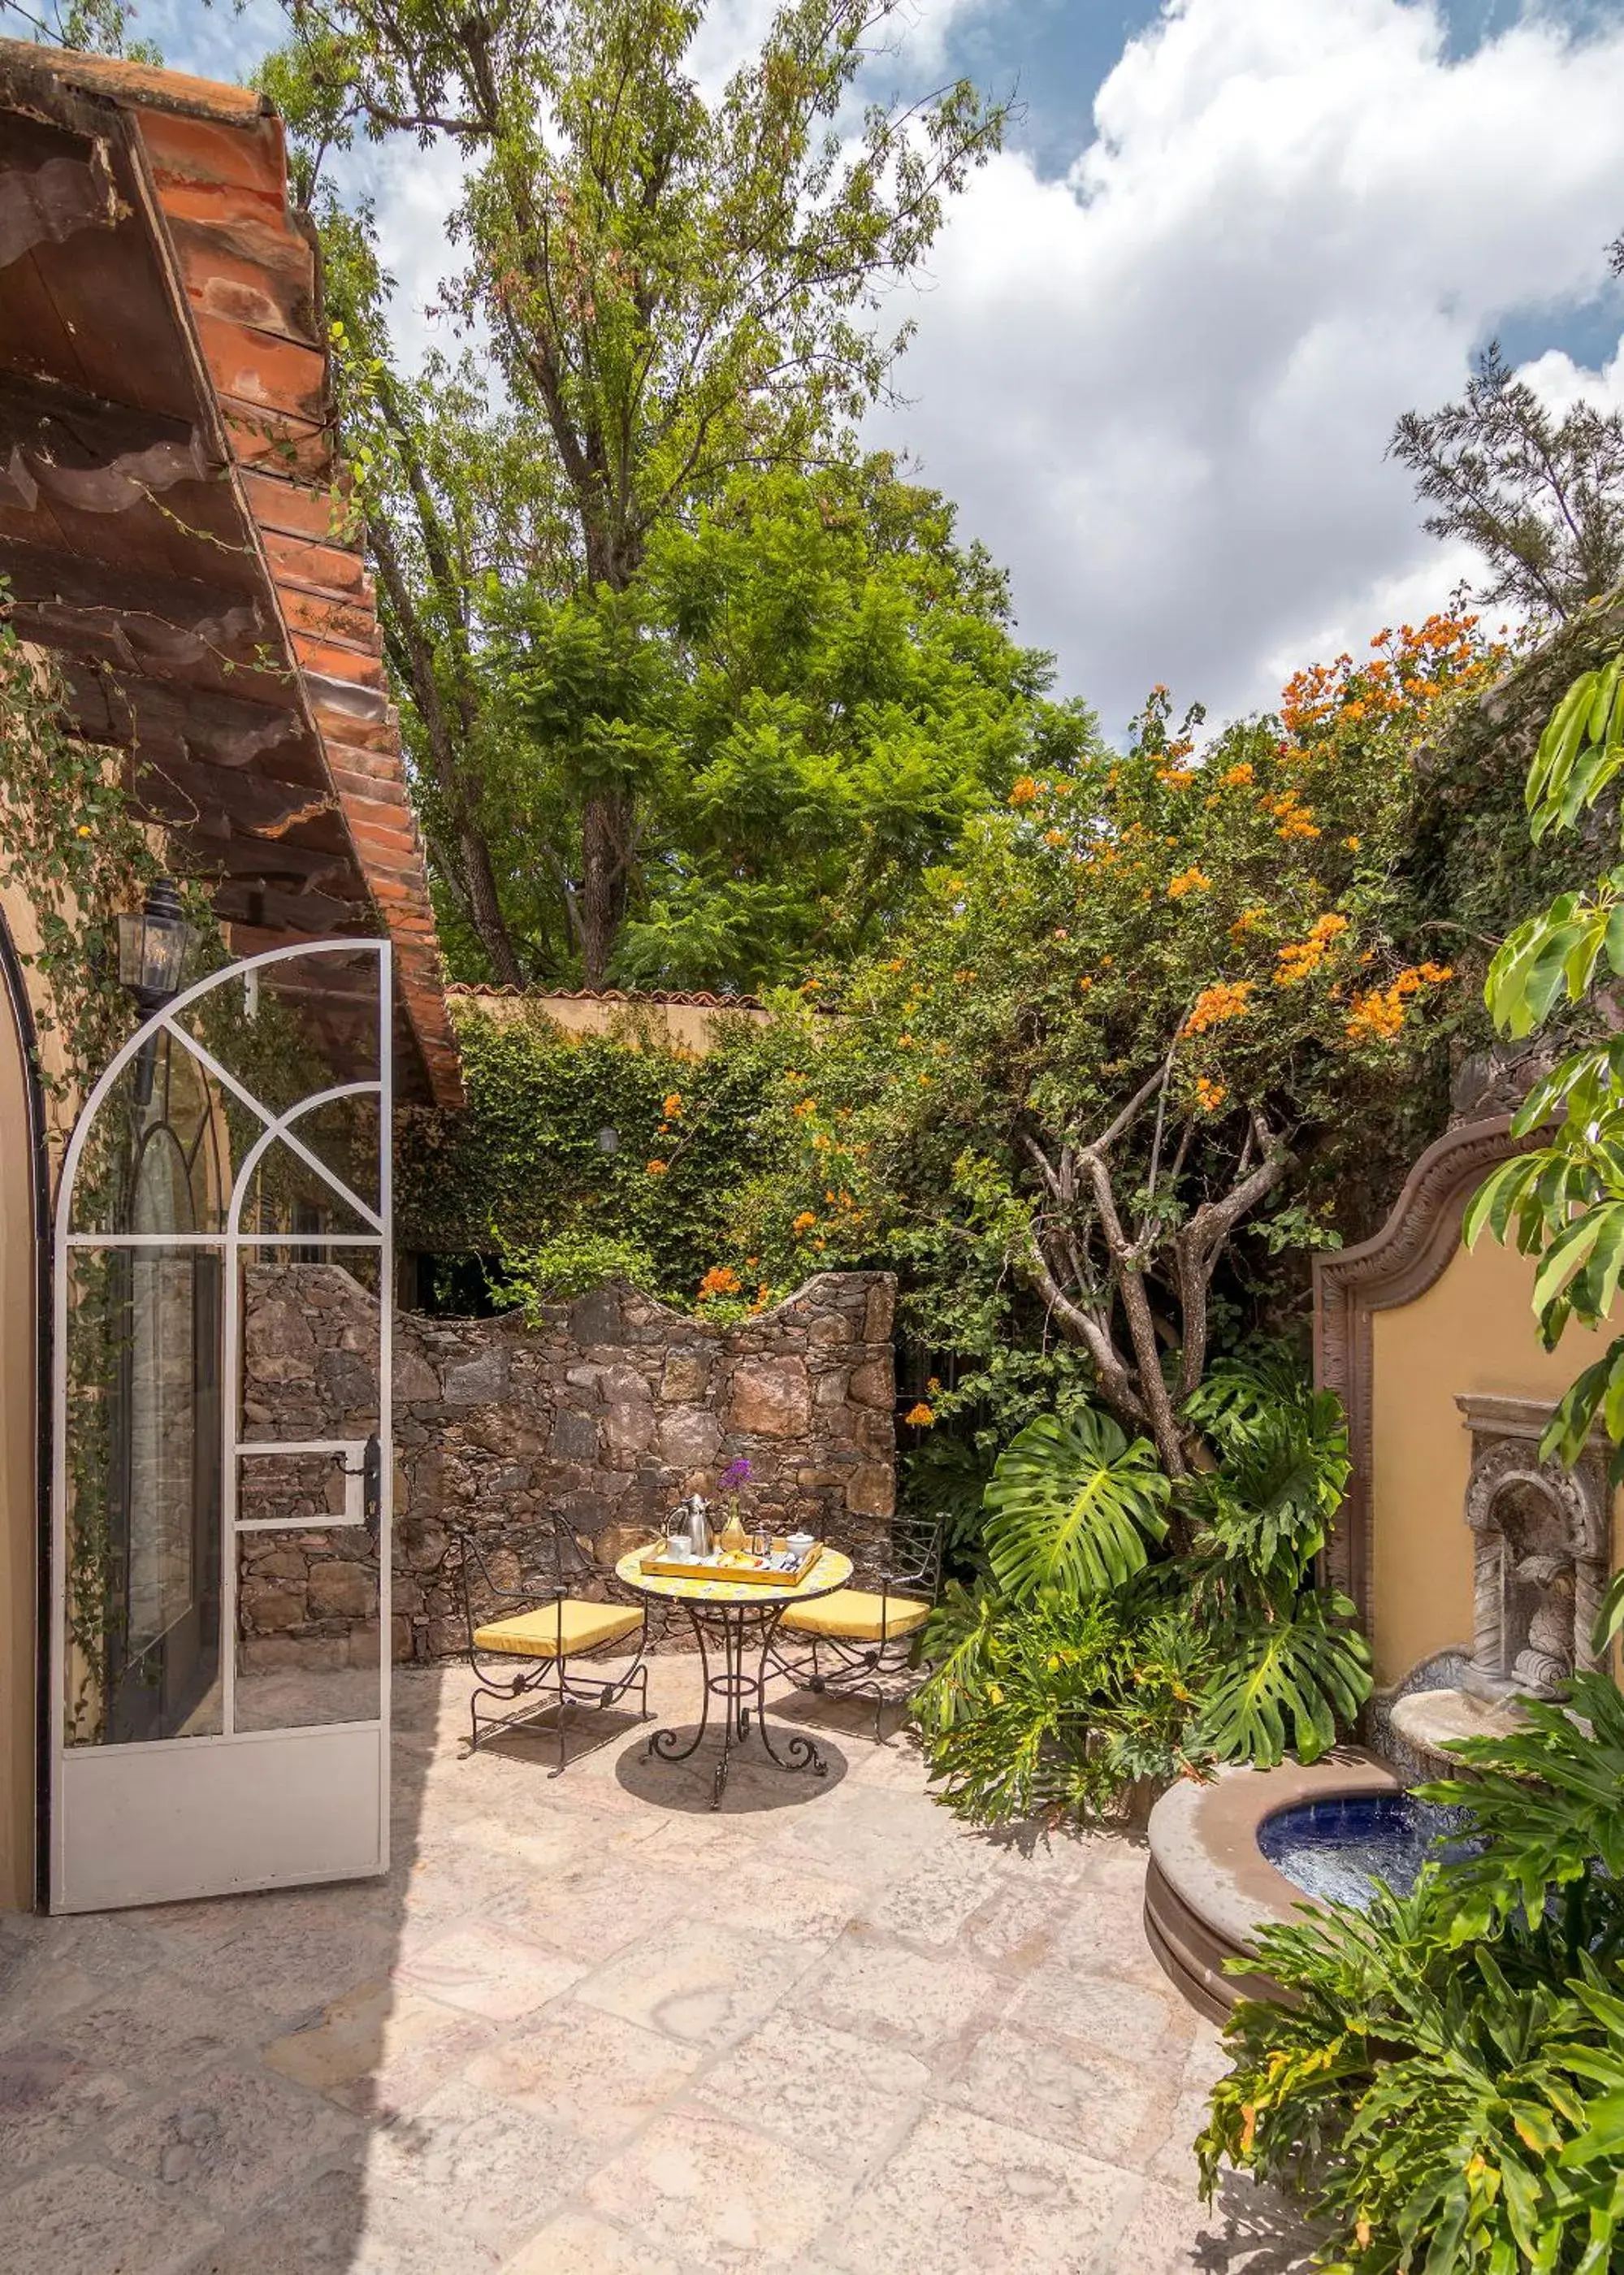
{"x":220,"y":1660}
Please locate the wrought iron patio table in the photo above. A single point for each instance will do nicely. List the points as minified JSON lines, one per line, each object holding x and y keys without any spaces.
{"x":743,"y":1616}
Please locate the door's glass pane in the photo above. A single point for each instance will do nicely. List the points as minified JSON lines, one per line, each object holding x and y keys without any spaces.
{"x":286,"y":1196}
{"x":310,"y":1349}
{"x":156,"y":1156}
{"x":308,"y":1643}
{"x":287,"y":1029}
{"x":142,"y":1455}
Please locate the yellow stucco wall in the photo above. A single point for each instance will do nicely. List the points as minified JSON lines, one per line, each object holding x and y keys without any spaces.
{"x":18,"y":1501}
{"x":1473,"y":1330}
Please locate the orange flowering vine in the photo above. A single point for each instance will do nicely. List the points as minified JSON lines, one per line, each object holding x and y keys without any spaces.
{"x":1193,"y":880}
{"x":721,"y":1280}
{"x":1226,"y":999}
{"x":1023,"y":790}
{"x":1379,"y":1014}
{"x":656,"y":1168}
{"x":1298,"y":958}
{"x":1210,"y":1095}
{"x":919,"y":1417}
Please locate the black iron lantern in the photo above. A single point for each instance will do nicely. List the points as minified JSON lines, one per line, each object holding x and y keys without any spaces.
{"x":152,"y":947}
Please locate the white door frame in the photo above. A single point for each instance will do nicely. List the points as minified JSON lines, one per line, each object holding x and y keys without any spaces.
{"x":157,"y":1819}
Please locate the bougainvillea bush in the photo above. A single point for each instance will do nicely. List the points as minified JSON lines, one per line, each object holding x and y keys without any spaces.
{"x":1160,"y":1001}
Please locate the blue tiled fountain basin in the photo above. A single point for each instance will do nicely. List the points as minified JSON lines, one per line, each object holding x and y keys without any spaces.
{"x":1339,"y":1849}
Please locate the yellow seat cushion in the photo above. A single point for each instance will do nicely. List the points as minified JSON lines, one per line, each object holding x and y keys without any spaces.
{"x":852,"y":1615}
{"x":537,"y":1635}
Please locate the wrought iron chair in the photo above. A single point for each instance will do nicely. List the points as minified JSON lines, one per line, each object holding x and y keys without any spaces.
{"x":868,"y":1638}
{"x":552,"y":1630}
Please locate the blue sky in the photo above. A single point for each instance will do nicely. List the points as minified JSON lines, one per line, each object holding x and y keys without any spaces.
{"x":1164,"y":339}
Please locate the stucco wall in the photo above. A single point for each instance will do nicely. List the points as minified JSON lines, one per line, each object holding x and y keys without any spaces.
{"x":1472,"y":1330}
{"x":19,"y":1500}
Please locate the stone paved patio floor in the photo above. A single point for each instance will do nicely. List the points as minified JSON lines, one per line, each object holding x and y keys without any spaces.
{"x":589,"y":2028}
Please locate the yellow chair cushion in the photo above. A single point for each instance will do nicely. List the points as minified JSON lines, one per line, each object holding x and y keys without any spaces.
{"x":537,"y":1635}
{"x":851,"y":1615}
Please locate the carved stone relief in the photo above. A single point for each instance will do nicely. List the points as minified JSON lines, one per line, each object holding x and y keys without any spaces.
{"x":1541,"y":1538}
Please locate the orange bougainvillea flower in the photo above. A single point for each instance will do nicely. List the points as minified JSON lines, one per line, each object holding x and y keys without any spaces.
{"x":721,"y":1280}
{"x":803,"y":1108}
{"x":1298,"y":957}
{"x":1054,"y":837}
{"x":673,"y":1106}
{"x":1246,"y":922}
{"x":1192,"y":880}
{"x":919,"y":1417}
{"x":1226,"y":999}
{"x":1023,"y":790}
{"x":1210,"y":1095}
{"x":1237,"y":777}
{"x":803,"y":1223}
{"x":657,"y":1168}
{"x":1378,"y":1014}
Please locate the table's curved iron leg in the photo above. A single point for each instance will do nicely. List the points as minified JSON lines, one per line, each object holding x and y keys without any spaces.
{"x":800,"y":1752}
{"x":664,"y":1744}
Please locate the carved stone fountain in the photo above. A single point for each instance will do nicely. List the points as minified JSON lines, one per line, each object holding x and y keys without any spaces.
{"x":1541,"y":1538}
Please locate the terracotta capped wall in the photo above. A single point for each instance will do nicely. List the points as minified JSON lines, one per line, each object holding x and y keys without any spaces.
{"x":610,"y":1411}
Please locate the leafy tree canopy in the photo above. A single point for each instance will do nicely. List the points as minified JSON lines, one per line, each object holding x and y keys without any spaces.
{"x":674,"y":290}
{"x":808,"y":691}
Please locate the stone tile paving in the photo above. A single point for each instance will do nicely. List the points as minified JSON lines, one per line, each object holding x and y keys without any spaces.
{"x":589,"y":2028}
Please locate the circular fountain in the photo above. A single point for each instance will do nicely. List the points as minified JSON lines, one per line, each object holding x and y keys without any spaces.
{"x":1212,"y":1885}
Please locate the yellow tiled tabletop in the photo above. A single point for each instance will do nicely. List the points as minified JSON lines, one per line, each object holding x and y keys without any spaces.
{"x":832,"y":1570}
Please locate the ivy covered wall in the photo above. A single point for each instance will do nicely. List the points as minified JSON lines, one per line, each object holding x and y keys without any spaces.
{"x":619,"y":1136}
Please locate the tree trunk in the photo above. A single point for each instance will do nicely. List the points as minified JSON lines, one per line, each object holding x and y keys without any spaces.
{"x":606,"y":832}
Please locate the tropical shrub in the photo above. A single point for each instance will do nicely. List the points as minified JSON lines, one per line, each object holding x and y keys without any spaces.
{"x":1445,"y":2088}
{"x":1130,"y":1628}
{"x":1148,"y":1012}
{"x":1563,"y":1200}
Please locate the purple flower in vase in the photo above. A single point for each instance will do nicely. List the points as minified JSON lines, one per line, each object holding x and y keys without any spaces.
{"x":736,"y":1474}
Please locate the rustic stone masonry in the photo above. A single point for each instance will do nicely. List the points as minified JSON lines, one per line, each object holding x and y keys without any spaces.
{"x":609,"y":1411}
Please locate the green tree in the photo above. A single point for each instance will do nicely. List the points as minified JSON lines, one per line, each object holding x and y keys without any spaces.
{"x":812,"y":687}
{"x":1541,"y":497}
{"x":673,"y":289}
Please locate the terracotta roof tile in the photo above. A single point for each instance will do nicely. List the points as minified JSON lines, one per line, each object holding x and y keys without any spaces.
{"x":699,"y":1001}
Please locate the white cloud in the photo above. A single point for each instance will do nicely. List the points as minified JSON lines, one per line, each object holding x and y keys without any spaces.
{"x":1562,"y":384}
{"x":1162,"y":390}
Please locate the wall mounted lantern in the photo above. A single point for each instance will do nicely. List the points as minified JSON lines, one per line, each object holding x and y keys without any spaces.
{"x":152,"y":947}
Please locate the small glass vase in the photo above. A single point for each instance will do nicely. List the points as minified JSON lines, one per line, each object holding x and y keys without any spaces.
{"x":734,"y":1541}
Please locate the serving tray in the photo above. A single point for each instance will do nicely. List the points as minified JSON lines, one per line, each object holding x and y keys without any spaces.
{"x":661,"y":1564}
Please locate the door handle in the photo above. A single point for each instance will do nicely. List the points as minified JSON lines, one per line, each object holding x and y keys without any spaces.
{"x":371,"y":1484}
{"x":371,"y":1475}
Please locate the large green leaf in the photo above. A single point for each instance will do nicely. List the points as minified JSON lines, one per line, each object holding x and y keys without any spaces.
{"x":1072,"y":1506}
{"x":1288,"y":1679}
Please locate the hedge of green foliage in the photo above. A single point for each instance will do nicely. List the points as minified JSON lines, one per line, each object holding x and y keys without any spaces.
{"x":523,"y":1164}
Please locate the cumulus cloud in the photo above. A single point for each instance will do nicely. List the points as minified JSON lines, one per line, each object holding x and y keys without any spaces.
{"x":1162,"y":388}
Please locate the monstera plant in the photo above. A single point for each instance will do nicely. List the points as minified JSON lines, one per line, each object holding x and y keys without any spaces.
{"x":1129,"y":1628}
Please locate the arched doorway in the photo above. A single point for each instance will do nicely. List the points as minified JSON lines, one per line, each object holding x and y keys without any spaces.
{"x":242,"y":1133}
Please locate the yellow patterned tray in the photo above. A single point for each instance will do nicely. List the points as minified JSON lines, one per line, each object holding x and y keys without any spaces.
{"x":660,"y":1564}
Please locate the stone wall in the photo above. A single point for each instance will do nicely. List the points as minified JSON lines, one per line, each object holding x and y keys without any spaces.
{"x":609,"y":1412}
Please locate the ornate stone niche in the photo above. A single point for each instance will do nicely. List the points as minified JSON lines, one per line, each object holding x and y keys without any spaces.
{"x":1542,"y":1536}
